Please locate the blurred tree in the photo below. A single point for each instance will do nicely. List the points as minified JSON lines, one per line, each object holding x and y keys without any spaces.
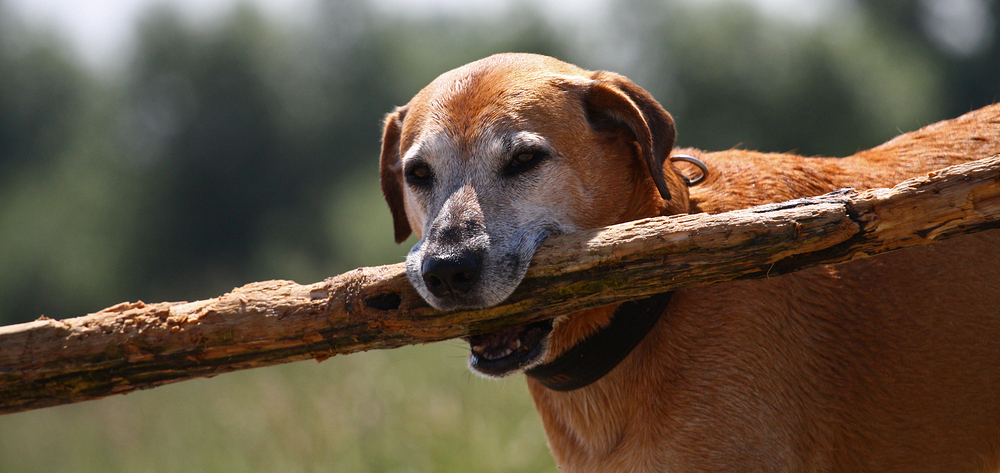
{"x":59,"y":218}
{"x":243,"y":131}
{"x":40,"y":92}
{"x":207,"y":120}
{"x":732,"y":77}
{"x":960,"y":37}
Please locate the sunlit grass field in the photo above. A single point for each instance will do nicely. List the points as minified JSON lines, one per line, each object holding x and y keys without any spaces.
{"x":413,"y":409}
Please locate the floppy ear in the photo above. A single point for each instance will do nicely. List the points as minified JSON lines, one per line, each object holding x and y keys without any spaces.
{"x":613,"y":101}
{"x":391,"y":172}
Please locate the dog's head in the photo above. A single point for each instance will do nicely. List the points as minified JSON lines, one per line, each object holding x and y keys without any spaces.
{"x":493,"y":157}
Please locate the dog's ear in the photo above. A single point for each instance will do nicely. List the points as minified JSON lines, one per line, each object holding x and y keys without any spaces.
{"x":614,"y":101}
{"x":391,"y":172}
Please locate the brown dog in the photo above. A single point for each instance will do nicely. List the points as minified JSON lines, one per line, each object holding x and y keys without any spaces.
{"x":883,"y":364}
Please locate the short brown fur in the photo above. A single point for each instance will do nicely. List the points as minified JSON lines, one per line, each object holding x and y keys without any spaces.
{"x":889,"y":363}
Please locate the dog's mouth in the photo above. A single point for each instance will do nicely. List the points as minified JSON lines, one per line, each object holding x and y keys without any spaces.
{"x":505,"y":351}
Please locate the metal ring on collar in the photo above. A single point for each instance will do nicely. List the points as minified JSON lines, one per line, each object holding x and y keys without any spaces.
{"x":695,"y":161}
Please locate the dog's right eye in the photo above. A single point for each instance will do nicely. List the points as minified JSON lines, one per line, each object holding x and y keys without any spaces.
{"x":524,"y":161}
{"x":418,"y":174}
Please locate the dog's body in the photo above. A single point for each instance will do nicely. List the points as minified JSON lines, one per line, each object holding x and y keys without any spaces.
{"x":889,"y":363}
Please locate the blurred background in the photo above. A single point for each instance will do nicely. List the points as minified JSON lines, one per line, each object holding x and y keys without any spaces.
{"x":171,"y":150}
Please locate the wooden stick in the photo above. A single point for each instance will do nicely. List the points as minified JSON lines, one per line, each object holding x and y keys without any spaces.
{"x":137,"y":346}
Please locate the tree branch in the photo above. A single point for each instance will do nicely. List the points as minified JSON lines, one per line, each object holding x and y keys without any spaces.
{"x":137,"y":346}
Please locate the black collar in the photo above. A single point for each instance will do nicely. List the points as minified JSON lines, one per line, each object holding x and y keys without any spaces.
{"x":598,"y":354}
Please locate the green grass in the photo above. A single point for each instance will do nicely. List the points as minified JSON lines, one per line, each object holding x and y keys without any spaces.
{"x":413,"y":409}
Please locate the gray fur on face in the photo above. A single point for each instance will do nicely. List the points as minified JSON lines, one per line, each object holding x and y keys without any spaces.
{"x":471,"y":208}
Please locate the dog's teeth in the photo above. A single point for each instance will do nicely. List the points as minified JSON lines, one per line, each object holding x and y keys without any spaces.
{"x":498,"y":355}
{"x":516,"y":344}
{"x":479,"y":348}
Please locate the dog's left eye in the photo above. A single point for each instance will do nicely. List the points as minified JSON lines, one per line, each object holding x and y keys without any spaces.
{"x":524,"y":161}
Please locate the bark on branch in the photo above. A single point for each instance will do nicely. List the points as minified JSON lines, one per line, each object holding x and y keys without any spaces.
{"x":137,"y":345}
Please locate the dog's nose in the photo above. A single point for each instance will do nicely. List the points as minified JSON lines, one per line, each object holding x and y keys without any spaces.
{"x":453,"y":275}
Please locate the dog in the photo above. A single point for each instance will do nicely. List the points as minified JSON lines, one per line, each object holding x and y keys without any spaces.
{"x":890,"y":363}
